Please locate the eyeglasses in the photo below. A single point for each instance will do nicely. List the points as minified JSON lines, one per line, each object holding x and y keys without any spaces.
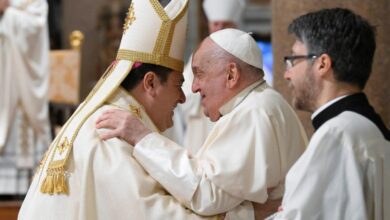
{"x":289,"y":60}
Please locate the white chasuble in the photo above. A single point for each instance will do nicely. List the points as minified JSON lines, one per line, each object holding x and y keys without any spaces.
{"x":105,"y":181}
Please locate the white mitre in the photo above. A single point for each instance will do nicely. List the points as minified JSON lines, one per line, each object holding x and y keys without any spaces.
{"x":239,"y":44}
{"x":224,"y":10}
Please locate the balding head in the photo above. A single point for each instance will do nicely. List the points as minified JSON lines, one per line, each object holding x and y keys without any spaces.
{"x":219,"y":76}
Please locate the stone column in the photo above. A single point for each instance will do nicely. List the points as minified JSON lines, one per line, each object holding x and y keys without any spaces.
{"x":377,"y":12}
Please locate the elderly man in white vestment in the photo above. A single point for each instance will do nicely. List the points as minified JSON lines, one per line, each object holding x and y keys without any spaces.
{"x":24,"y":74}
{"x":83,"y":177}
{"x":191,"y":127}
{"x":345,"y":171}
{"x":245,"y":158}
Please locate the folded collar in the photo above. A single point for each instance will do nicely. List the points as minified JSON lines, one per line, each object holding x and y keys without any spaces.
{"x":237,"y":99}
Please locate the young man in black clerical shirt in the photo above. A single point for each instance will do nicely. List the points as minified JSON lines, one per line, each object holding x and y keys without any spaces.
{"x":344,"y":172}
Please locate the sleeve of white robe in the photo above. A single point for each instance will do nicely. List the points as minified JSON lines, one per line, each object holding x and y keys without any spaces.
{"x":327,"y":181}
{"x":114,"y":185}
{"x":238,"y":162}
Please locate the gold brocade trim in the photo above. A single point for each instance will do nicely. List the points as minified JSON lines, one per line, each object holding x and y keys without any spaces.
{"x":135,"y":110}
{"x":159,"y":9}
{"x":181,"y":14}
{"x":162,"y":34}
{"x":65,"y":145}
{"x":168,"y":41}
{"x":167,"y":29}
{"x":159,"y":47}
{"x":150,"y":58}
{"x":163,"y":15}
{"x":173,"y":24}
{"x":160,"y":54}
{"x":55,"y":180}
{"x":130,"y":18}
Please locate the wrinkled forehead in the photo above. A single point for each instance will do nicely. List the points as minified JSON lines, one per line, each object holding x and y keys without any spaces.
{"x":203,"y":51}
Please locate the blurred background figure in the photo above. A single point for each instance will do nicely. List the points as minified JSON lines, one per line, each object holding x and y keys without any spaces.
{"x":226,"y":15}
{"x":191,"y":127}
{"x":24,"y":75}
{"x":110,"y":26}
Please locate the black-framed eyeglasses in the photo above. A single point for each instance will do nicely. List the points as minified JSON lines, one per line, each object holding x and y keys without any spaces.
{"x":289,"y":60}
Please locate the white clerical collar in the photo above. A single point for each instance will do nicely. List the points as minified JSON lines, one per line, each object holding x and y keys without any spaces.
{"x":122,"y":99}
{"x":320,"y":109}
{"x":237,"y":99}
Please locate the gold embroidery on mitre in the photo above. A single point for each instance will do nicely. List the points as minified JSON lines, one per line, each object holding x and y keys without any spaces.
{"x":150,"y":58}
{"x":130,"y":18}
{"x":135,"y":110}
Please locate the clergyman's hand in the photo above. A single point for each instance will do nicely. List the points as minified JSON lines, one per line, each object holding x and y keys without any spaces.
{"x":122,"y":124}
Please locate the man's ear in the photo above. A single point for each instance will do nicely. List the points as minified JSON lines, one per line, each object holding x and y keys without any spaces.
{"x":323,"y":64}
{"x":149,"y":83}
{"x":233,"y":75}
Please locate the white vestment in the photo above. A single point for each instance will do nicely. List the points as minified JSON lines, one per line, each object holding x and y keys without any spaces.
{"x":343,"y":174}
{"x":24,"y":74}
{"x":105,"y":181}
{"x":249,"y":150}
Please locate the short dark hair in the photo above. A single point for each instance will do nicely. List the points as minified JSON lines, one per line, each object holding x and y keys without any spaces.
{"x":347,"y":38}
{"x":137,"y":74}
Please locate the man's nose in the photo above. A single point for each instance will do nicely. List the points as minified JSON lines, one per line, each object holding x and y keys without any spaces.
{"x":195,"y":86}
{"x":287,"y":74}
{"x":182,"y":98}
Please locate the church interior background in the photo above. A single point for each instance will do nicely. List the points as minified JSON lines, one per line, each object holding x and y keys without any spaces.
{"x":101,"y":23}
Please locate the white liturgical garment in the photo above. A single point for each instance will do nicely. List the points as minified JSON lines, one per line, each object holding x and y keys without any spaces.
{"x":249,"y":150}
{"x":344,"y":173}
{"x":105,"y":181}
